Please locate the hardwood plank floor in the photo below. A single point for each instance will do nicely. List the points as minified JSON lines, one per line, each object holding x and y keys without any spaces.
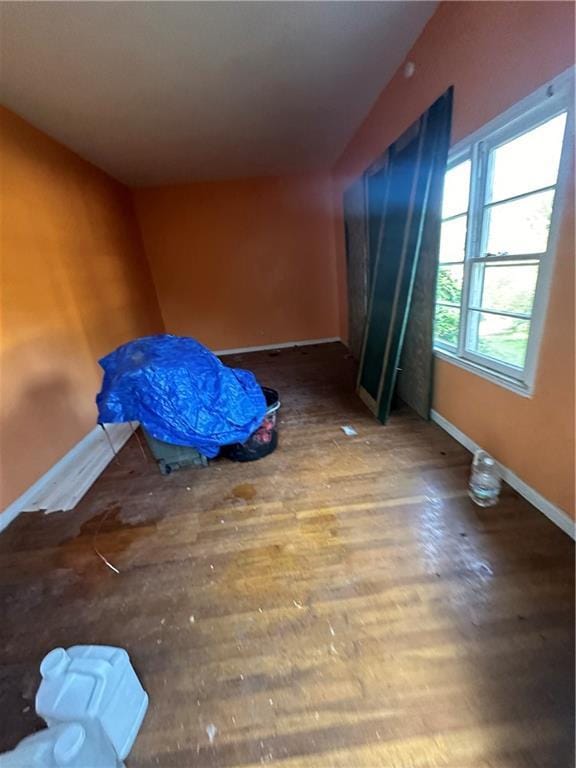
{"x":339,"y":603}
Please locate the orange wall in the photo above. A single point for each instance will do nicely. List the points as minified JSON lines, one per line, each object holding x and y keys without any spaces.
{"x":75,"y":284}
{"x":244,"y":262}
{"x":494,"y":54}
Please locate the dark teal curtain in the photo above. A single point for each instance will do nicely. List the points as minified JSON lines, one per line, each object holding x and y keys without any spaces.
{"x":403,"y":204}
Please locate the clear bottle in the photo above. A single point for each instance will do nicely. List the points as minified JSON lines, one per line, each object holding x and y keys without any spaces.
{"x":484,"y":487}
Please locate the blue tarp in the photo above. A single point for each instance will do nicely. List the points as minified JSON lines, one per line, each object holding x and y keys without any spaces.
{"x":180,"y":392}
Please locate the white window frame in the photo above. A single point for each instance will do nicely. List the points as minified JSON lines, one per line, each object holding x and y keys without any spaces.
{"x":545,"y":103}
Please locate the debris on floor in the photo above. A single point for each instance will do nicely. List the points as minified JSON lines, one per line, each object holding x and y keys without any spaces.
{"x":96,"y":550}
{"x":264,"y":440}
{"x":181,"y":393}
{"x":348,"y":430}
{"x":97,"y":720}
{"x":65,"y":744}
{"x":191,"y":407}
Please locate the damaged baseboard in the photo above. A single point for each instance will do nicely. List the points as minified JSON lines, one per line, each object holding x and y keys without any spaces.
{"x":65,"y":483}
{"x":552,"y":512}
{"x":283,"y":345}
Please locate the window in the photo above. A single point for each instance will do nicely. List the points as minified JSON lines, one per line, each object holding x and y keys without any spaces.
{"x":497,"y":235}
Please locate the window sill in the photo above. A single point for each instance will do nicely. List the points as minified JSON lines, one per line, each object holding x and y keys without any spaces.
{"x":513,"y":385}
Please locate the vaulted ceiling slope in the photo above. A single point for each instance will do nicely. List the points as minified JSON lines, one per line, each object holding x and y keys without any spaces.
{"x":162,"y":92}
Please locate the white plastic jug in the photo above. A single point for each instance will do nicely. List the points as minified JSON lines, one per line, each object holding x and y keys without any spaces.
{"x":93,"y":683}
{"x":63,"y":746}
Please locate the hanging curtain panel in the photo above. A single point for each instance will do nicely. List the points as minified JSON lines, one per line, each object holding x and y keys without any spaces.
{"x":356,"y":264}
{"x":403,"y":187}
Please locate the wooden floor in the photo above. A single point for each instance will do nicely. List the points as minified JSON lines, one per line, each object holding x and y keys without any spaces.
{"x":340,"y":603}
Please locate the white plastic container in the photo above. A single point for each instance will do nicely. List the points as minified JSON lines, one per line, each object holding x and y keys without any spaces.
{"x":63,"y":746}
{"x":484,"y":487}
{"x":93,"y":683}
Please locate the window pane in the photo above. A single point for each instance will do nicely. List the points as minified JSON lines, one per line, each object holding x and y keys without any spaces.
{"x":508,"y":286}
{"x":528,"y":162}
{"x":453,"y":239}
{"x":446,"y":324}
{"x":519,"y":227}
{"x":498,"y":337}
{"x":456,"y":190}
{"x":449,"y":286}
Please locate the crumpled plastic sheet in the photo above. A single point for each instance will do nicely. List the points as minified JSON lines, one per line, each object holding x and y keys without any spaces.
{"x":180,"y":392}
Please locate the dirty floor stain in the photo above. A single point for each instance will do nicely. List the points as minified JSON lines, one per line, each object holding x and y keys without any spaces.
{"x":245,"y":491}
{"x":108,"y":533}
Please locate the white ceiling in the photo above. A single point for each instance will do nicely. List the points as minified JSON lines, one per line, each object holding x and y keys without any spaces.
{"x":159,"y":92}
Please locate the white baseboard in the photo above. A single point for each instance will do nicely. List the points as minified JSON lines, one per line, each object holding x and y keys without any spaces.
{"x":552,"y":512}
{"x":283,"y":345}
{"x":62,"y":487}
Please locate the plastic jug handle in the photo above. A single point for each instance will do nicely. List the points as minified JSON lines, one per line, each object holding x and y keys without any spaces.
{"x":97,"y":670}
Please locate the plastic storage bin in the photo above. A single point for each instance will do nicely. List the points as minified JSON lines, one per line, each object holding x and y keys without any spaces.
{"x":64,"y":746}
{"x":93,"y":683}
{"x":172,"y":457}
